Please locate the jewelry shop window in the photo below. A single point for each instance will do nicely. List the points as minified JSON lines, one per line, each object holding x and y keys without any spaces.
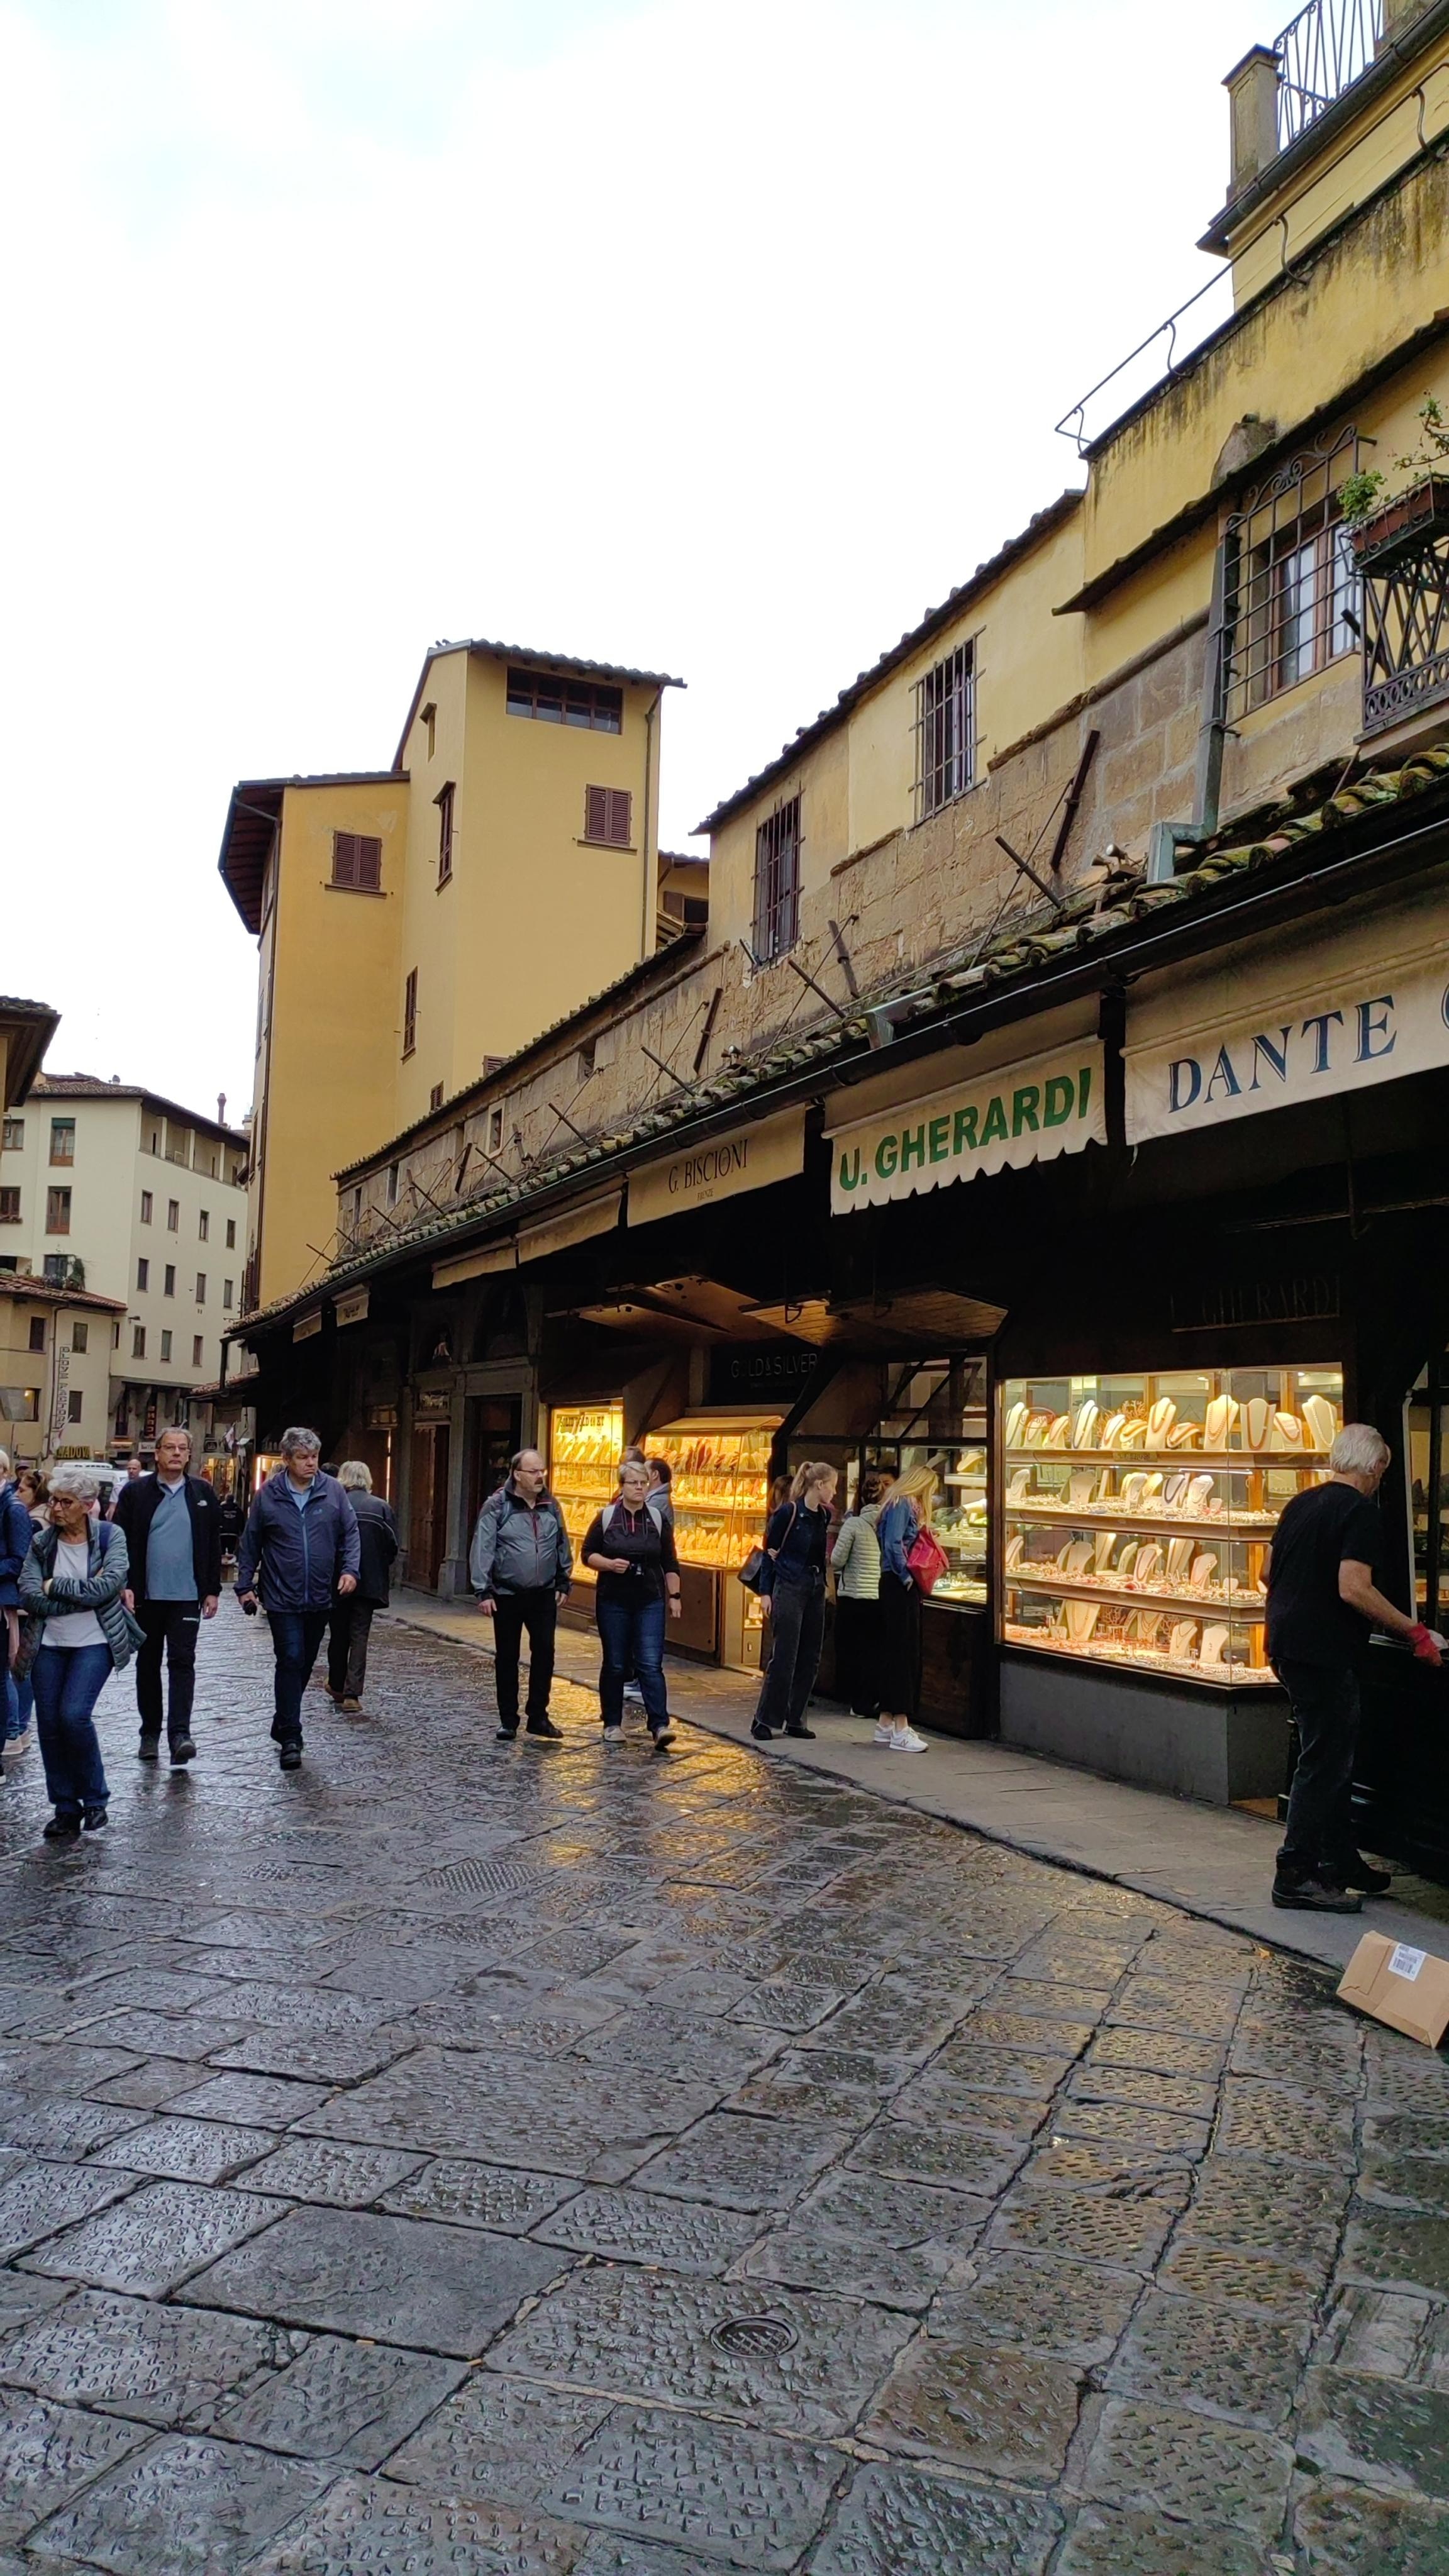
{"x":1137,"y":1511}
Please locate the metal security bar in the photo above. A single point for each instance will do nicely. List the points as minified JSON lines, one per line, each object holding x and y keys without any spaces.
{"x":1406,"y":636}
{"x":945,"y":731}
{"x":777,"y":882}
{"x":1320,"y":54}
{"x":1291,"y":593}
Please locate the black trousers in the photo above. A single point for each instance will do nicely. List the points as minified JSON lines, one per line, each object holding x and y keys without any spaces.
{"x":1318,"y":1835}
{"x":349,"y":1627}
{"x":900,"y":1647}
{"x":797,"y":1630}
{"x":857,"y":1654}
{"x":172,"y":1628}
{"x":537,"y":1611}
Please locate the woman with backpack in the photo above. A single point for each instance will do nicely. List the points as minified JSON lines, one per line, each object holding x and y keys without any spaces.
{"x":904,"y":1532}
{"x":792,"y":1596}
{"x":630,"y":1546}
{"x":76,"y":1633}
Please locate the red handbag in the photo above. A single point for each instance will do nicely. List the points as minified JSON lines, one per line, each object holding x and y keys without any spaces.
{"x":927,"y":1560}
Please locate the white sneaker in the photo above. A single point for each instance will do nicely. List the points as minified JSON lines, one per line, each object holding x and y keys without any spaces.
{"x":882,"y":1733}
{"x":634,"y":1693}
{"x":613,"y":1735}
{"x":908,"y":1741}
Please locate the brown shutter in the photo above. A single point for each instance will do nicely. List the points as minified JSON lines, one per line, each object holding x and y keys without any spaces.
{"x":620,"y":803}
{"x":344,"y":859}
{"x":596,"y":813}
{"x":369,"y":865}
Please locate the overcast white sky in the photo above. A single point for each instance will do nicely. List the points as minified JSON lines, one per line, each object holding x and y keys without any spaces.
{"x":721,"y":340}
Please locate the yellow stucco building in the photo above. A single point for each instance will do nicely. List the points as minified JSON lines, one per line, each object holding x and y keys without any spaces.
{"x":418,"y":923}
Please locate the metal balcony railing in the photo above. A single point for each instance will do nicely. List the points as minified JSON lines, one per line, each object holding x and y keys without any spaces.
{"x":1321,"y":52}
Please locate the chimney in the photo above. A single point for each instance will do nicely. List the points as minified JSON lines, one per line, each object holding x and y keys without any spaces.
{"x":221,"y":1109}
{"x":1253,"y":93}
{"x":1399,"y":14}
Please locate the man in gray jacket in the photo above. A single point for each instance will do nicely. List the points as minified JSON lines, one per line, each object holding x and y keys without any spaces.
{"x":520,"y":1566}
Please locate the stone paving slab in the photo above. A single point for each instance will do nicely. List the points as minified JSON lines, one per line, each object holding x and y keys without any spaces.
{"x":659,"y":2165}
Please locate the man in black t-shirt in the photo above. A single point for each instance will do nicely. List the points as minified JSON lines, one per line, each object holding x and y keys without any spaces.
{"x":1323,"y":1606}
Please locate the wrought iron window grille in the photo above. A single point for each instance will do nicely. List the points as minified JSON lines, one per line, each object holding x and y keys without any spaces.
{"x":1406,"y":630}
{"x":1291,"y":591}
{"x":777,"y":883}
{"x":945,"y":731}
{"x":1321,"y":53}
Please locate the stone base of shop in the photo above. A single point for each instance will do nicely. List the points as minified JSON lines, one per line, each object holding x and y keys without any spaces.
{"x":1220,"y":1748}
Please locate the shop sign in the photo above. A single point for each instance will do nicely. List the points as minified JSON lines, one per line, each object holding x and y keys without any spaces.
{"x":432,"y":1400}
{"x":768,"y":1370}
{"x":747,"y":1158}
{"x":1341,"y":1015}
{"x":382,"y":1417}
{"x":1018,"y":1113}
{"x":572,"y":1225}
{"x":306,"y":1325}
{"x":60,"y":1407}
{"x":352,"y":1309}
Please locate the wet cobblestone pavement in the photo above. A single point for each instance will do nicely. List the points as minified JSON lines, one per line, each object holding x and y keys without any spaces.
{"x":563,"y":2160}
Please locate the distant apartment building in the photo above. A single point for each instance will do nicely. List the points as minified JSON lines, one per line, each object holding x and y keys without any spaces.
{"x":108,"y":1190}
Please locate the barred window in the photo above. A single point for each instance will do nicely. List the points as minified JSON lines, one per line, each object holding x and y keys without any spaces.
{"x":945,"y":731}
{"x":1290,"y":585}
{"x":777,"y":882}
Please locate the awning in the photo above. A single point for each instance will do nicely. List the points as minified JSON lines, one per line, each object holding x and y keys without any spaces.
{"x":1028,"y":1112}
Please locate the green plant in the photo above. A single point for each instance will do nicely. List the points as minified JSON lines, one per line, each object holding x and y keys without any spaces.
{"x":1360,"y":495}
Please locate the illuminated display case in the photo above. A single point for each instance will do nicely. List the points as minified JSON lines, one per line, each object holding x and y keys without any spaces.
{"x":937,"y":1417}
{"x":1137,"y":1511}
{"x":720,"y":1464}
{"x":586,"y":1442}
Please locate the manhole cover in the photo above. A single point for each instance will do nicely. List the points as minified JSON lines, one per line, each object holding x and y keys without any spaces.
{"x":753,"y":2338}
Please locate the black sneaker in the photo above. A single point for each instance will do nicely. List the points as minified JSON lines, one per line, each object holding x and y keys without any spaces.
{"x":544,"y":1726}
{"x":1314,"y":1896}
{"x":507,"y":1735}
{"x":182,"y":1751}
{"x":290,"y":1757}
{"x":1361,"y":1874}
{"x":93,"y":1818}
{"x":149,"y":1748}
{"x":762,"y":1734}
{"x":62,"y":1829}
{"x":801,"y":1730}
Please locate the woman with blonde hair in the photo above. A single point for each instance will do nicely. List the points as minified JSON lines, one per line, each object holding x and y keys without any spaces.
{"x":792,"y":1596}
{"x":904,"y":1513}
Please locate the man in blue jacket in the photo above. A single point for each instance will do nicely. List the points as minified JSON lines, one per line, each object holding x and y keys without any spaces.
{"x":16,"y":1532}
{"x":300,"y":1552}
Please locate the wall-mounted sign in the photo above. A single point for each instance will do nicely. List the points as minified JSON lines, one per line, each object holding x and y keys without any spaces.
{"x":571,"y":1225}
{"x":306,"y":1325}
{"x":747,"y":1158}
{"x":431,"y":1401}
{"x":1293,"y":1021}
{"x":772,"y":1372}
{"x":1019,"y":1113}
{"x":382,"y":1417}
{"x":352,"y":1309}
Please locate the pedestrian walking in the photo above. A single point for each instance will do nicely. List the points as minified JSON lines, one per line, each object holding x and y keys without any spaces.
{"x":905,"y":1511}
{"x":172,"y":1522}
{"x":661,"y":1488}
{"x":792,"y":1596}
{"x":135,"y":1469}
{"x":631,"y":1550}
{"x":521,"y":1565}
{"x":16,"y":1533}
{"x":75,"y":1633}
{"x":300,"y":1552}
{"x":350,"y":1624}
{"x":855,"y":1561}
{"x":1323,"y":1606}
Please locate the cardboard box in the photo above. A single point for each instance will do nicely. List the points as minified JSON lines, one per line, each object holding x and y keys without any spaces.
{"x":1407,"y":1988}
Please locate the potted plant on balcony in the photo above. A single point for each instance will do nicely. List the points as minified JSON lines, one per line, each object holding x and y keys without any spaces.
{"x":1386,"y":524}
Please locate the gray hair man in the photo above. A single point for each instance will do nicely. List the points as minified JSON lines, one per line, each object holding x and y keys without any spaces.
{"x":300,"y":1553}
{"x":1324,"y":1603}
{"x":172,"y":1522}
{"x":351,"y":1623}
{"x":521,"y":1565}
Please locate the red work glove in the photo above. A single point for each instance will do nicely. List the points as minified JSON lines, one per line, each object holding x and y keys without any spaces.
{"x":1426,"y":1646}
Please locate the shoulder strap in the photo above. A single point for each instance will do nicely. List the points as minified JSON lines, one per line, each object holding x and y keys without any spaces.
{"x":104,"y":1535}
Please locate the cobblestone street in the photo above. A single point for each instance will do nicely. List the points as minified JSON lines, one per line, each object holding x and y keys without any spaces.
{"x":577,"y":2161}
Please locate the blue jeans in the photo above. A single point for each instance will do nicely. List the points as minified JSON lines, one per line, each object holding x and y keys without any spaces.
{"x":68,"y":1682}
{"x":632,"y":1632}
{"x":19,"y":1702}
{"x":296,"y":1642}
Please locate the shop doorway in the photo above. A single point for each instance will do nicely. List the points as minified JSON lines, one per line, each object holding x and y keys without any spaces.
{"x":495,"y":1434}
{"x":428,"y":1512}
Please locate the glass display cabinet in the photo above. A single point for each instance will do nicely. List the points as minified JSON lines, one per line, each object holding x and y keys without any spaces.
{"x":586,"y":1442}
{"x":1137,"y":1510}
{"x":936,"y":1416}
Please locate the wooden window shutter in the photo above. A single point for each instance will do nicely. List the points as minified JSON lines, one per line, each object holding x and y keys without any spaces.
{"x":369,"y":865}
{"x":596,"y":813}
{"x":620,"y":810}
{"x":344,"y":858}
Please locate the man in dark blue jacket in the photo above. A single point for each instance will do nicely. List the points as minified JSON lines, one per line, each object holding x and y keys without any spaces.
{"x":300,"y":1552}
